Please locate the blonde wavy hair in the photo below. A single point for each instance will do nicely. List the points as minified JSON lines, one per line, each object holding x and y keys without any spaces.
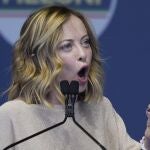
{"x":36,"y":64}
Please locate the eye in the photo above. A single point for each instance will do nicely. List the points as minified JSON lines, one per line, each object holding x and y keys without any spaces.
{"x":65,"y":46}
{"x":85,"y":43}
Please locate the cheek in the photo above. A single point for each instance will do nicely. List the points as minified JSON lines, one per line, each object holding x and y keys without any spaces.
{"x":67,"y":72}
{"x":68,"y":64}
{"x":90,"y":56}
{"x":66,"y":69}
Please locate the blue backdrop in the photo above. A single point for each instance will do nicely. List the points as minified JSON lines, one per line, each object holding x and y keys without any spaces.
{"x":125,"y":47}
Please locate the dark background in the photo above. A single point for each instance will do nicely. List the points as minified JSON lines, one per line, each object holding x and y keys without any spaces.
{"x":125,"y":46}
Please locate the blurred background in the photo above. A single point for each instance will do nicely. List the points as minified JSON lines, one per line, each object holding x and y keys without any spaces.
{"x":123,"y":32}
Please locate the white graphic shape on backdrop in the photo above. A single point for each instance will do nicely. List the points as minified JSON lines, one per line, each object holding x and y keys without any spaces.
{"x":10,"y":26}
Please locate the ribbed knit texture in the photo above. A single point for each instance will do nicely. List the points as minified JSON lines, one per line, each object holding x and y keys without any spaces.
{"x":19,"y":120}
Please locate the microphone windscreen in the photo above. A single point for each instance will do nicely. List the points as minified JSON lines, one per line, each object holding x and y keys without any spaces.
{"x":64,"y":87}
{"x":74,"y":87}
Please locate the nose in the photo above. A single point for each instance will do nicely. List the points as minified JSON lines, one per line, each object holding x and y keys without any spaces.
{"x":81,"y":53}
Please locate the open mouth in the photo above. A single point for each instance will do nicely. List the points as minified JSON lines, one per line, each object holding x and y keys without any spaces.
{"x":83,"y":72}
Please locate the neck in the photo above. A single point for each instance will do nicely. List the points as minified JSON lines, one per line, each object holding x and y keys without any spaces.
{"x":52,"y":98}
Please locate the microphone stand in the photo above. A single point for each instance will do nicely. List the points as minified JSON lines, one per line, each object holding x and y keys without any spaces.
{"x":69,"y":112}
{"x":71,"y":96}
{"x":36,"y":134}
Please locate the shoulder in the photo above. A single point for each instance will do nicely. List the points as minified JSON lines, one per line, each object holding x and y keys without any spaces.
{"x":101,"y":107}
{"x":8,"y":111}
{"x":13,"y":104}
{"x":104,"y":108}
{"x":104,"y":104}
{"x":12,"y":107}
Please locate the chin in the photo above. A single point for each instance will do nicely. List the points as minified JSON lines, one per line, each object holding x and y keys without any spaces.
{"x":82,"y":88}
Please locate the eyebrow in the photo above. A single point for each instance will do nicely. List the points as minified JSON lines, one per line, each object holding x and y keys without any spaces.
{"x":71,"y":40}
{"x":85,"y":36}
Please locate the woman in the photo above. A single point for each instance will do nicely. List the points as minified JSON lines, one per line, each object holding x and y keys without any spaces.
{"x":55,"y":44}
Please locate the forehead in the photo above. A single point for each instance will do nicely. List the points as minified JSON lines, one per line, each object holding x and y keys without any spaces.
{"x":73,"y":28}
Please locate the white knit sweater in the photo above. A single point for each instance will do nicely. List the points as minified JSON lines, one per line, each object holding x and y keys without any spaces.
{"x":19,"y":120}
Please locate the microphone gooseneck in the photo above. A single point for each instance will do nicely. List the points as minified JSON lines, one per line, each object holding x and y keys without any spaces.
{"x":36,"y":134}
{"x":71,"y":92}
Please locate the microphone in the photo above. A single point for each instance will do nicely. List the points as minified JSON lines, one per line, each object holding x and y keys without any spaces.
{"x":71,"y":92}
{"x":65,"y":90}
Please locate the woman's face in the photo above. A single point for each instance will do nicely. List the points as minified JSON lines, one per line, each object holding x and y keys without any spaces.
{"x":75,"y":51}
